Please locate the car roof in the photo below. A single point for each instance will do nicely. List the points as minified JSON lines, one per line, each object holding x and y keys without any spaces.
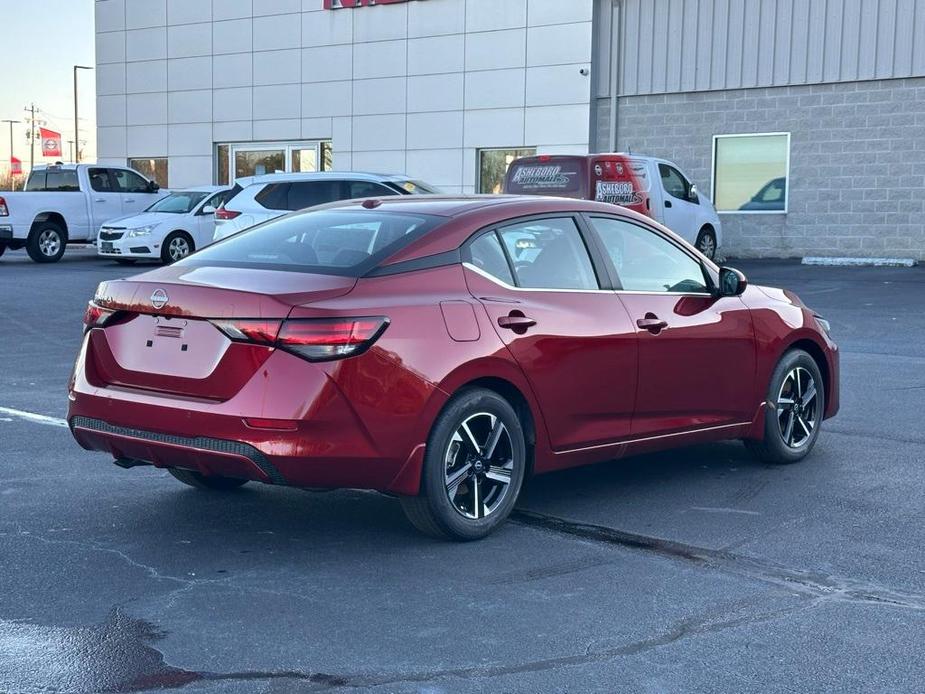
{"x":200,"y":189}
{"x":319,"y":176}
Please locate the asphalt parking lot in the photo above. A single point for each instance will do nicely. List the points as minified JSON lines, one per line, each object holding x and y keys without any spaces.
{"x":696,"y":570}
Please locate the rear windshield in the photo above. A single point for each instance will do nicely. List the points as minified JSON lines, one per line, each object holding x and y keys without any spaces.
{"x":334,"y":242}
{"x":557,"y":176}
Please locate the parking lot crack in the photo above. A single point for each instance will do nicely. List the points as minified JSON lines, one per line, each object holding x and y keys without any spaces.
{"x":815,"y":585}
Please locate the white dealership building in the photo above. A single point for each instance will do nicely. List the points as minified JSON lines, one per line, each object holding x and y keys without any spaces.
{"x":803,"y":119}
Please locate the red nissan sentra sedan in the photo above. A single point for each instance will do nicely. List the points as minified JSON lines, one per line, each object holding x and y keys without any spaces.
{"x":441,"y":349}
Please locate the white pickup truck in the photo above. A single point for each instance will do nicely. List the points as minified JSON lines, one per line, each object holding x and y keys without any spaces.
{"x":67,"y":203}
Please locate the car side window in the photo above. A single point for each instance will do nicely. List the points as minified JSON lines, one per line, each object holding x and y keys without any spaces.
{"x":304,"y":194}
{"x":367,"y":189}
{"x":675,"y":184}
{"x":100,"y":181}
{"x":549,"y":254}
{"x":487,"y":255}
{"x":219,"y":198}
{"x":129,"y":181}
{"x":647,"y":262}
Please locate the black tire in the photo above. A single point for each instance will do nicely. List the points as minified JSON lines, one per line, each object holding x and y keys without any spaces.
{"x":167,"y":254}
{"x":2,"y":249}
{"x":126,"y":261}
{"x":200,"y":481}
{"x":489,"y":500}
{"x":46,"y":242}
{"x":706,"y":242}
{"x":775,"y":448}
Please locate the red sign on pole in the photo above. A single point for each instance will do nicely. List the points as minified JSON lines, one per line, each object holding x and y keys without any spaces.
{"x":51,"y":143}
{"x":15,"y":166}
{"x":343,"y":4}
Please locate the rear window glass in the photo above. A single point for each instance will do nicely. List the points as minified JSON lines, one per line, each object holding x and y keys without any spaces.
{"x":553,"y":177}
{"x":335,"y":242}
{"x":62,"y":180}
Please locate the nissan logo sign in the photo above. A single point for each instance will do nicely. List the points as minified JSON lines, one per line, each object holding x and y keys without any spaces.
{"x":159,"y":298}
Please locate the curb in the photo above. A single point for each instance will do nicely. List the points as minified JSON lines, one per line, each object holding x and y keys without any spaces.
{"x":860,"y":262}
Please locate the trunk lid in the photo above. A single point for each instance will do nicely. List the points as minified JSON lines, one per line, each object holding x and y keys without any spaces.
{"x":162,"y":339}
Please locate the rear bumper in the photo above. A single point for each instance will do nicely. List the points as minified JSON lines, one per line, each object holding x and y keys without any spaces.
{"x":323,"y":439}
{"x":207,"y":455}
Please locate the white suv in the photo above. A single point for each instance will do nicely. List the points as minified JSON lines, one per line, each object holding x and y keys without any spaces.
{"x":262,"y":198}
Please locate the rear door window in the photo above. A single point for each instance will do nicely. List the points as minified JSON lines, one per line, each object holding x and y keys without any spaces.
{"x":63,"y":180}
{"x":304,"y":194}
{"x":549,"y":254}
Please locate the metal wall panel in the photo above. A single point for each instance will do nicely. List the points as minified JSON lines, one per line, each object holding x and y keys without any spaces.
{"x":695,"y":45}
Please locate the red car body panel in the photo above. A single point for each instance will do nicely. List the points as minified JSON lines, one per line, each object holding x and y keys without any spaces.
{"x":166,"y":387}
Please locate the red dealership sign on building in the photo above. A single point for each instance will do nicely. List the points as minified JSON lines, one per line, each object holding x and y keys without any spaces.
{"x":343,"y":4}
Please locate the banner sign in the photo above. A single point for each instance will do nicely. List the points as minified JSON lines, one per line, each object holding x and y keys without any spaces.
{"x":51,"y":143}
{"x":344,"y":4}
{"x":15,"y":166}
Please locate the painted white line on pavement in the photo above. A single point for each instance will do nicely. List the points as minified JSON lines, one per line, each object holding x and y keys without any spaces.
{"x":32,"y":417}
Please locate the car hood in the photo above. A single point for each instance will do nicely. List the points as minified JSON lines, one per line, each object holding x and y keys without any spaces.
{"x":133,"y":221}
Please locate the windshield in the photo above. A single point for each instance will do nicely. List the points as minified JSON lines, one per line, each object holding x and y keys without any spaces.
{"x":414,"y":187}
{"x":181,"y":202}
{"x":337,"y":242}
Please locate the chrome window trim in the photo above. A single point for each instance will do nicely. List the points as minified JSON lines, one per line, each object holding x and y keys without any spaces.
{"x":505,"y":285}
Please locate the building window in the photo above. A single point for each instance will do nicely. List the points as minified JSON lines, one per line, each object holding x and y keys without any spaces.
{"x":751,"y":172}
{"x":240,"y":159}
{"x":154,"y":169}
{"x":493,"y":165}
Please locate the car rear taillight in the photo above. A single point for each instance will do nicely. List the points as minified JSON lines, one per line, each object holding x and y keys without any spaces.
{"x":321,"y":339}
{"x":250,"y":330}
{"x":224,"y":215}
{"x":96,"y":316}
{"x":314,"y":339}
{"x":4,"y":210}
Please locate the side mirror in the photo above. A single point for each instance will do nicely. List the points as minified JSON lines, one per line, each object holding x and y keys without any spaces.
{"x":208,"y":209}
{"x":153,"y":187}
{"x":732,"y":282}
{"x":692,"y":195}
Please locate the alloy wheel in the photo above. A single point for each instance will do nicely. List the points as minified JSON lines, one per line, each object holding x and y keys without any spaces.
{"x":478,"y":465}
{"x":49,"y":242}
{"x":178,"y":248}
{"x":797,"y":412}
{"x":707,"y":245}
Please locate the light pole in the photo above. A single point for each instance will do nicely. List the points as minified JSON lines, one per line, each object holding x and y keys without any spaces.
{"x":11,"y":140}
{"x":76,"y":130}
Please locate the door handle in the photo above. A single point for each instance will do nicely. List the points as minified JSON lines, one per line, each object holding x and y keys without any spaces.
{"x":129,"y":199}
{"x":652,"y":323}
{"x":515,"y":322}
{"x":99,"y":200}
{"x":668,"y":203}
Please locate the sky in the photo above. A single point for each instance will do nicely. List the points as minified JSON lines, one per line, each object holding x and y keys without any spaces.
{"x":42,"y":41}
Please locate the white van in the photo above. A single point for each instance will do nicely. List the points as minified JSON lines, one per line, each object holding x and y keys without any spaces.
{"x":655,"y":187}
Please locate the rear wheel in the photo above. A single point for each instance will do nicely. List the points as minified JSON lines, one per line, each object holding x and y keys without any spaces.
{"x":706,"y":242}
{"x":795,"y":407}
{"x":46,"y":242}
{"x":177,"y":246}
{"x":473,"y":468}
{"x":211,"y":482}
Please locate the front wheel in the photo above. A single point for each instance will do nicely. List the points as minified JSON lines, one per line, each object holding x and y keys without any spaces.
{"x":473,"y":468}
{"x":706,"y":242}
{"x":794,"y":410}
{"x":177,"y":246}
{"x":211,"y":482}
